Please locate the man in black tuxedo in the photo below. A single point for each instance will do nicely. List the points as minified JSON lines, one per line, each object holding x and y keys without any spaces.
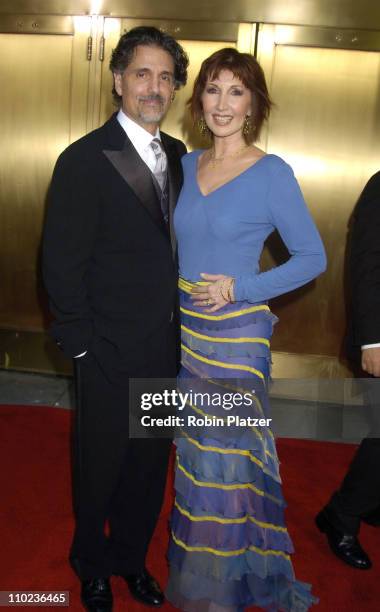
{"x":110,"y":271}
{"x":358,"y":497}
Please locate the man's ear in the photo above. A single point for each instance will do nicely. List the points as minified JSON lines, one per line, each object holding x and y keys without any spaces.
{"x":117,"y":77}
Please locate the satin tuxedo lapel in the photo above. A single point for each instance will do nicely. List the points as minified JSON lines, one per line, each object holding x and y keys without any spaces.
{"x":136,"y":174}
{"x":175,"y":183}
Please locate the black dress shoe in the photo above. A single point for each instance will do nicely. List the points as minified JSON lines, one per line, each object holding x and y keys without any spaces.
{"x":145,"y":589}
{"x":96,"y":595}
{"x":345,"y":547}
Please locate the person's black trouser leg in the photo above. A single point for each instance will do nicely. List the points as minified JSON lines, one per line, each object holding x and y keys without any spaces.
{"x":359,"y":493}
{"x":114,"y":478}
{"x":133,"y":516}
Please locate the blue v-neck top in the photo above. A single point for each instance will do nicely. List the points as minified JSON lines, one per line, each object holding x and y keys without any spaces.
{"x":224,"y":232}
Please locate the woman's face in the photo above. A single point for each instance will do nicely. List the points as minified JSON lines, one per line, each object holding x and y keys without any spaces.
{"x":226,"y":102}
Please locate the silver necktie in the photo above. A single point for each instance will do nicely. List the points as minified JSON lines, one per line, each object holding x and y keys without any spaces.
{"x":161,"y":162}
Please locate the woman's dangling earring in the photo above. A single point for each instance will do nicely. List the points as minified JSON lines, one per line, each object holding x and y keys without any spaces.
{"x":203,"y":127}
{"x":247,"y":125}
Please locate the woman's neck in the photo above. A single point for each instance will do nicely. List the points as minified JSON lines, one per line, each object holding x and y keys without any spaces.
{"x":223,"y":147}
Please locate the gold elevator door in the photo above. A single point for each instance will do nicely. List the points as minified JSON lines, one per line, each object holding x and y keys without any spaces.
{"x":43,"y":107}
{"x":36,"y":124}
{"x":326,"y":126}
{"x":34,"y":111}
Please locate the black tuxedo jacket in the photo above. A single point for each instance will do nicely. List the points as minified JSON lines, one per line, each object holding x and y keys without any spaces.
{"x":109,"y":261}
{"x":365,"y":267}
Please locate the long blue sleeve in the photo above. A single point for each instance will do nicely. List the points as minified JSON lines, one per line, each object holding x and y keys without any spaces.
{"x":290,"y":216}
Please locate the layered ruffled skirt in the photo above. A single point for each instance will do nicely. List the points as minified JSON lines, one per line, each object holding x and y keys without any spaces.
{"x":229,"y":546}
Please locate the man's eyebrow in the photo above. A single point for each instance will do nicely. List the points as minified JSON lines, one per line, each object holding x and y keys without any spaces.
{"x":146,"y":69}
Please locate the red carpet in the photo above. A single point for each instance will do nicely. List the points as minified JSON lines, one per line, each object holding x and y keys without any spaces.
{"x":37,"y":522}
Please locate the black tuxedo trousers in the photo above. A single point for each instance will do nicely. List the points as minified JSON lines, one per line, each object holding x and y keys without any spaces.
{"x":116,"y":480}
{"x":358,"y":496}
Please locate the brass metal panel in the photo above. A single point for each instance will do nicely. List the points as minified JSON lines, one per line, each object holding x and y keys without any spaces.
{"x":81,"y":70}
{"x":35,"y":110}
{"x":305,"y":367}
{"x":111,"y":33}
{"x":36,"y":352}
{"x":364,"y":40}
{"x":34,"y":120}
{"x":190,"y":30}
{"x":95,"y":75}
{"x":326,"y":125}
{"x":36,"y":24}
{"x":329,"y":13}
{"x":32,"y":352}
{"x":246,"y":37}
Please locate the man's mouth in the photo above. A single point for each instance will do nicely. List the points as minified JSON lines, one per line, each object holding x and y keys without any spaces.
{"x":152,"y":101}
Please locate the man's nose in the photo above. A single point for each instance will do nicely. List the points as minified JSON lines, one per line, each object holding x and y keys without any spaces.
{"x":154,"y":84}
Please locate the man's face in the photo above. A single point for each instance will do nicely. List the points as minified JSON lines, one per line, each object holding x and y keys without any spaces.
{"x":147,"y":86}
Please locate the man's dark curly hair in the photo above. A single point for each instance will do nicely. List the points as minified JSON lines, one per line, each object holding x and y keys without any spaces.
{"x":146,"y":35}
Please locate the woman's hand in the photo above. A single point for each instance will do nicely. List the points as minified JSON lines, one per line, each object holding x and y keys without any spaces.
{"x":216,"y":294}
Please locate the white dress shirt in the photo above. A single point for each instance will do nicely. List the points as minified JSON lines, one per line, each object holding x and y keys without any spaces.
{"x":141,"y":140}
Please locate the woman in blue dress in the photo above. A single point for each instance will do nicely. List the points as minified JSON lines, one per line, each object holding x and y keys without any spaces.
{"x":229,"y":546}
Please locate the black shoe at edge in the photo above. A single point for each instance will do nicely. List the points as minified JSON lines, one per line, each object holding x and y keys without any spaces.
{"x":346,"y":547}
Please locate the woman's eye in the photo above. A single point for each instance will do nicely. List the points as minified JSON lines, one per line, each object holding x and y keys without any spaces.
{"x":211,"y":90}
{"x":237,"y":92}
